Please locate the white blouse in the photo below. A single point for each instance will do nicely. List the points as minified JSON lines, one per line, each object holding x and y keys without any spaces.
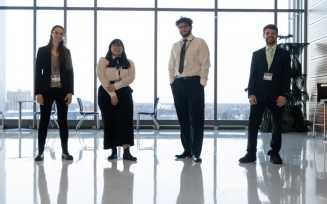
{"x":123,"y":77}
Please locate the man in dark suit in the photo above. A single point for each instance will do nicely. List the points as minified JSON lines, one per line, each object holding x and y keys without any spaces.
{"x":269,"y":85}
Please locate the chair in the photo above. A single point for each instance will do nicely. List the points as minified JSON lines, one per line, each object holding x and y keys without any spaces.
{"x":153,"y":115}
{"x":53,"y":111}
{"x":2,"y":119}
{"x":84,"y":114}
{"x":321,"y":100}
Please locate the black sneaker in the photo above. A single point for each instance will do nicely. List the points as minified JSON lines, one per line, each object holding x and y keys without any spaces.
{"x":275,"y":159}
{"x":248,"y":158}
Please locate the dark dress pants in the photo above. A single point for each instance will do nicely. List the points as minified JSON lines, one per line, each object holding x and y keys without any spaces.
{"x":256,"y":112}
{"x":189,"y":103}
{"x":57,"y":95}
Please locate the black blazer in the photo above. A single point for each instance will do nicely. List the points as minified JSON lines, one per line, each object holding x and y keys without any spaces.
{"x":42,"y":78}
{"x":281,"y":73}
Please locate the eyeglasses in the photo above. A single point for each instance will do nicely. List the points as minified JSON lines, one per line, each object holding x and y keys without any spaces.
{"x":184,"y":26}
{"x":57,"y":33}
{"x":117,"y":45}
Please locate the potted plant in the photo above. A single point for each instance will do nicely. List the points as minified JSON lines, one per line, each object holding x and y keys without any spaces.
{"x":293,"y":118}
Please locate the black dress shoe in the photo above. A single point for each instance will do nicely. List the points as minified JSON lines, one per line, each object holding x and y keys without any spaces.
{"x":248,"y":158}
{"x":275,"y":159}
{"x":196,"y":158}
{"x":183,"y":155}
{"x":39,"y":157}
{"x":112,"y":156}
{"x":66,"y":156}
{"x":128,"y":156}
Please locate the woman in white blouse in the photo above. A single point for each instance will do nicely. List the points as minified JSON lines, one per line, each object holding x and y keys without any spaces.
{"x":115,"y":73}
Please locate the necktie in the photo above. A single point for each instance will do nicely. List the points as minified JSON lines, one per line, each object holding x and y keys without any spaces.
{"x":181,"y":59}
{"x":270,"y":55}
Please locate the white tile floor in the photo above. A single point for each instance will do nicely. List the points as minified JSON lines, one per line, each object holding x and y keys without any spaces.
{"x":157,"y":177}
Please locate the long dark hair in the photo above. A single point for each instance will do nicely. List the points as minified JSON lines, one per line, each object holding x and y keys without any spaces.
{"x":118,"y":61}
{"x":64,"y":55}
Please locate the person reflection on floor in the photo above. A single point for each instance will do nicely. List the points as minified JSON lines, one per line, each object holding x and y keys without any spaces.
{"x":252,"y":181}
{"x":118,"y":185}
{"x":191,"y":184}
{"x":63,"y":186}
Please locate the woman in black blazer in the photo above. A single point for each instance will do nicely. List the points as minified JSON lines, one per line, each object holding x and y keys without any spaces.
{"x":54,"y":81}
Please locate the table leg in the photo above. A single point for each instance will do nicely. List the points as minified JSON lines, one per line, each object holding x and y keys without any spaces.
{"x":20,"y":115}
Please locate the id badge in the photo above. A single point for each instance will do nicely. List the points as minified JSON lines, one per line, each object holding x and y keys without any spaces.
{"x":267,"y":76}
{"x":55,"y":78}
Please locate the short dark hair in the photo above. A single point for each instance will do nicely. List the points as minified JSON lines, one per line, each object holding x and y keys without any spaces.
{"x":270,"y":26}
{"x":184,"y":20}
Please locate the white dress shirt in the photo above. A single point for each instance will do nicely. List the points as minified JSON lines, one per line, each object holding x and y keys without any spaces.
{"x":196,"y":61}
{"x":123,"y":77}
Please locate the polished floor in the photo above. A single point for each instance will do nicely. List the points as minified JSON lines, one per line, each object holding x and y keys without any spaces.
{"x":157,"y":177}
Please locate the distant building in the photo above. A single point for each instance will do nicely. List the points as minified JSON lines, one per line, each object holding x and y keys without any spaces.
{"x":19,"y":95}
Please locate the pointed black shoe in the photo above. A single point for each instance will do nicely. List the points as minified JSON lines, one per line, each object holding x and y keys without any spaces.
{"x":183,"y":155}
{"x":39,"y":157}
{"x":66,"y":156}
{"x":127,"y":155}
{"x":113,"y":154}
{"x":248,"y":158}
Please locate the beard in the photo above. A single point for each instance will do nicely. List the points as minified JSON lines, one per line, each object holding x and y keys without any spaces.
{"x":187,"y":34}
{"x":271,"y":41}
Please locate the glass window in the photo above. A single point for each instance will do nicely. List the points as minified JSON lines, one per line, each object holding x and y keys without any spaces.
{"x":235,"y":49}
{"x":136,"y":30}
{"x":19,"y":65}
{"x":16,"y":2}
{"x":79,"y":3}
{"x":51,"y":3}
{"x":167,"y":35}
{"x":248,"y":4}
{"x":80,"y":41}
{"x":45,"y":20}
{"x":126,"y":3}
{"x":186,"y":4}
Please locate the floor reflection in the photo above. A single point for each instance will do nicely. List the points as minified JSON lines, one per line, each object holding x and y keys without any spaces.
{"x":43,"y":185}
{"x":156,"y":177}
{"x":191,"y":183}
{"x":118,"y":184}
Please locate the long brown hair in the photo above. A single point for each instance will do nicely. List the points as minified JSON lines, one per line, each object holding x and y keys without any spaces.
{"x":64,"y":55}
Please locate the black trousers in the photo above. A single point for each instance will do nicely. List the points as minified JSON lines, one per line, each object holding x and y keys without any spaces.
{"x":57,"y":95}
{"x":117,"y":120}
{"x":256,"y":112}
{"x":189,"y":103}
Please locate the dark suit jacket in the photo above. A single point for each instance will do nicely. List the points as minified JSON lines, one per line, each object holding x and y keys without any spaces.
{"x":43,"y":73}
{"x":281,"y":70}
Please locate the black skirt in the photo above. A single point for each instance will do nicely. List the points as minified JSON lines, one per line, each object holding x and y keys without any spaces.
{"x":117,"y":120}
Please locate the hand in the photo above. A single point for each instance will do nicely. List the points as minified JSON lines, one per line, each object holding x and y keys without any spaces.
{"x":253,"y":99}
{"x":114,"y":100}
{"x":281,"y":100}
{"x":111,"y":87}
{"x":39,"y":99}
{"x":68,"y":99}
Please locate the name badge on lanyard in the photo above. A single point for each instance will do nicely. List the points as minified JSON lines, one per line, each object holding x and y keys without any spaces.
{"x":55,"y":78}
{"x":267,"y":76}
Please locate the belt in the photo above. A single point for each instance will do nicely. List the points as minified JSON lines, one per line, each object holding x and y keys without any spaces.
{"x":113,"y":82}
{"x":188,"y":77}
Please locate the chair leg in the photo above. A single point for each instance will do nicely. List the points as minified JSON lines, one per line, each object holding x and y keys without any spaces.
{"x":138,"y":122}
{"x":80,"y":122}
{"x":314,"y":122}
{"x":55,"y":121}
{"x":155,"y":122}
